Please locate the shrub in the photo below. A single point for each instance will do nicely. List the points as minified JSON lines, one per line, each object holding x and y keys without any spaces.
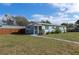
{"x":57,"y":30}
{"x":48,"y":33}
{"x":52,"y":32}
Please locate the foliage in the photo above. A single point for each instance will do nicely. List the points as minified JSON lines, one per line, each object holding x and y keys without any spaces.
{"x":69,"y":26}
{"x":42,"y":21}
{"x":57,"y":30}
{"x":21,"y":21}
{"x":52,"y":32}
{"x":65,"y":24}
{"x":47,"y":33}
{"x":8,"y":19}
{"x":77,"y":22}
{"x":17,"y":20}
{"x":47,"y":21}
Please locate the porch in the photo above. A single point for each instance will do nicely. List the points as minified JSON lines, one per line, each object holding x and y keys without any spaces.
{"x":38,"y":30}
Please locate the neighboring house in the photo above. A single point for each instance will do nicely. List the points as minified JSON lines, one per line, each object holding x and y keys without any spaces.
{"x":42,"y":28}
{"x":76,"y":28}
{"x":8,"y":29}
{"x":73,"y":28}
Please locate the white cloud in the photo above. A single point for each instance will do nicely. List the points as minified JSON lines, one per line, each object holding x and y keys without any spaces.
{"x":62,"y":15}
{"x":76,"y":16}
{"x":62,"y":6}
{"x":67,"y":11}
{"x":39,"y":17}
{"x":55,"y":20}
{"x":74,"y":8}
{"x":67,"y":7}
{"x":1,"y":16}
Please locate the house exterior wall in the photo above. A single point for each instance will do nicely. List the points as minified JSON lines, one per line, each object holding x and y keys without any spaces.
{"x":63,"y":29}
{"x":34,"y":29}
{"x":29,"y":29}
{"x":47,"y":30}
{"x":43,"y":27}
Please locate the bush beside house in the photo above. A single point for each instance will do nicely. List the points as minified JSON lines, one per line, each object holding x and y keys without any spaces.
{"x":57,"y":30}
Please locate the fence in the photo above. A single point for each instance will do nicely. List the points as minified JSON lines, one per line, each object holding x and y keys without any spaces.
{"x":12,"y":30}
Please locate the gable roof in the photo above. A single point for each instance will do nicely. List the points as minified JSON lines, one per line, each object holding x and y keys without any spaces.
{"x":40,"y":24}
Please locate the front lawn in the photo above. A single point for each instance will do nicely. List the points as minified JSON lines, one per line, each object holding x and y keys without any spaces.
{"x":29,"y":45}
{"x":73,"y":36}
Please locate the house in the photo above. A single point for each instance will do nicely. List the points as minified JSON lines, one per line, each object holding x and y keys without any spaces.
{"x":32,"y":28}
{"x":42,"y":28}
{"x":75,"y":28}
{"x":38,"y":28}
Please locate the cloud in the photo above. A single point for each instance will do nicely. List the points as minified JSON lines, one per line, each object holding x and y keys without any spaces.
{"x":62,"y":6}
{"x":67,"y":11}
{"x":76,"y":17}
{"x":55,"y":20}
{"x":39,"y":17}
{"x":1,"y":16}
{"x":67,"y":7}
{"x":74,"y":8}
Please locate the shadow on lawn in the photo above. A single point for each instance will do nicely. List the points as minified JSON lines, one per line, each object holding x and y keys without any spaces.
{"x":20,"y":32}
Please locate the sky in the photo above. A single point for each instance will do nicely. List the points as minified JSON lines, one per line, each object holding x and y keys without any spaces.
{"x":56,"y":13}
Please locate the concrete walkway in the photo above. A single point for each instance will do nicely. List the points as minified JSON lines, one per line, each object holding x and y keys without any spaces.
{"x":68,"y":41}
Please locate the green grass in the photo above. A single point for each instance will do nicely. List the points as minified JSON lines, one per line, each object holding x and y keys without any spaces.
{"x":28,"y":45}
{"x":73,"y":36}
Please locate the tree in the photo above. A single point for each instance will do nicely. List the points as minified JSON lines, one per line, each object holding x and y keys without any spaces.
{"x":70,"y":25}
{"x":21,"y":21}
{"x":42,"y":21}
{"x":77,"y":22}
{"x":48,"y":21}
{"x":8,"y":19}
{"x":65,"y":24}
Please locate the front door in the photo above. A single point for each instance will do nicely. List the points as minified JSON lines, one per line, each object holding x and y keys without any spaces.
{"x":38,"y":30}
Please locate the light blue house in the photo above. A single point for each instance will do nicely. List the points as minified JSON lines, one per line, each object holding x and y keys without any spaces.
{"x":42,"y":28}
